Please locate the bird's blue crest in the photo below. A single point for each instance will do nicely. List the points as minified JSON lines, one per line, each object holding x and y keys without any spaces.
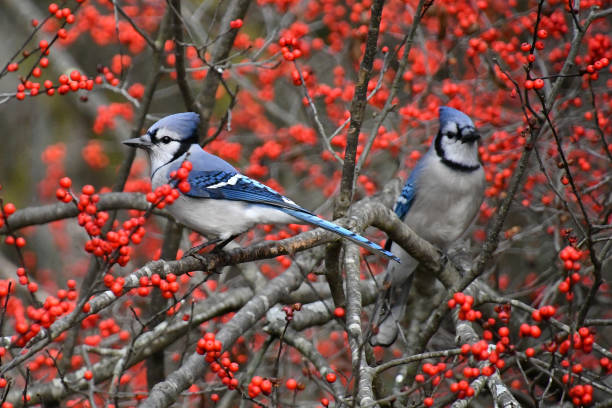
{"x":184,"y":124}
{"x":448,"y":114}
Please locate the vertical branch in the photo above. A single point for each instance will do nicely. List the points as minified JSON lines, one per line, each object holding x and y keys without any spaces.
{"x":353,"y":310}
{"x":155,"y":363}
{"x":237,"y":9}
{"x":357,"y":111}
{"x":179,"y":53}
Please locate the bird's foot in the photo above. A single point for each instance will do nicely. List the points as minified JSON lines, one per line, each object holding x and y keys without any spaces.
{"x":219,"y":247}
{"x":195,"y":251}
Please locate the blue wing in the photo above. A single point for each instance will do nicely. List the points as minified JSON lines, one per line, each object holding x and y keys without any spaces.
{"x":404,"y":201}
{"x":235,"y":186}
{"x":406,"y":198}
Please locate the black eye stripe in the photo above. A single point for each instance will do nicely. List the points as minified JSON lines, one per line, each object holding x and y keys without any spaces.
{"x":153,"y":136}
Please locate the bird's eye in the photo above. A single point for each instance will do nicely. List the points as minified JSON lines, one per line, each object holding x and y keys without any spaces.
{"x":451,"y":135}
{"x":166,"y":139}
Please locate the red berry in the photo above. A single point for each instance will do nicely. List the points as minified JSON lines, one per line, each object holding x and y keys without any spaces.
{"x":291,"y":384}
{"x":9,"y":208}
{"x":64,"y":182}
{"x":88,"y":189}
{"x":330,"y":377}
{"x":459,"y":298}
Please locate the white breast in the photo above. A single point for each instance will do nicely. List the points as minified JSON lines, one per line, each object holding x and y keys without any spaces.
{"x":224,"y":218}
{"x":446,"y":202}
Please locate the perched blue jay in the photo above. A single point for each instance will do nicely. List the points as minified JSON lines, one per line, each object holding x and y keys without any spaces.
{"x":440,"y":200}
{"x":222,"y":203}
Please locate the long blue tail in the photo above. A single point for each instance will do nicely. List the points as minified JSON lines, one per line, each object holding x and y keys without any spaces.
{"x":350,"y":235}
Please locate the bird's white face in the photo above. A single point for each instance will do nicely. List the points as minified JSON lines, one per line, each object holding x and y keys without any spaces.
{"x":162,"y":146}
{"x":166,"y":146}
{"x":458,"y":144}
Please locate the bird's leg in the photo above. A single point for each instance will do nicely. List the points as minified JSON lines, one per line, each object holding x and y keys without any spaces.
{"x":218,"y":242}
{"x":220,"y":245}
{"x":196,"y":249}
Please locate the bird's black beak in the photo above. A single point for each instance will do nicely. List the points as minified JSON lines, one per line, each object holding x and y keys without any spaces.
{"x":470,"y":137}
{"x":142,"y":142}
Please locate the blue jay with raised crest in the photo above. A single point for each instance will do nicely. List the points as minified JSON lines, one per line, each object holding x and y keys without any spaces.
{"x":439,"y":201}
{"x":221,"y":203}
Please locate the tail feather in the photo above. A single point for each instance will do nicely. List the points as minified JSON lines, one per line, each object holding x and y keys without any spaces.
{"x":350,"y":235}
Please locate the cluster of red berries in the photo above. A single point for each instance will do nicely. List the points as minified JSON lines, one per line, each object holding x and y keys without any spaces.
{"x":24,"y":280}
{"x":477,"y":46}
{"x":527,"y":330}
{"x":461,"y":388}
{"x":62,"y":13}
{"x":537,"y":83}
{"x":465,"y":303}
{"x":543,"y":313}
{"x":581,"y":394}
{"x":54,"y":307}
{"x":290,"y":48}
{"x":43,"y":45}
{"x":220,"y":363}
{"x":76,"y":81}
{"x":236,"y":24}
{"x":481,"y":351}
{"x":433,"y":370}
{"x":297,"y":80}
{"x":89,"y":217}
{"x":73,"y":83}
{"x":114,"y":284}
{"x":108,"y":76}
{"x":582,"y":340}
{"x":44,"y":316}
{"x":117,"y":241}
{"x":168,"y":285}
{"x":63,"y":193}
{"x":166,"y":194}
{"x":259,"y":385}
{"x":570,"y":255}
{"x":93,"y":220}
{"x":592,"y":69}
{"x":566,"y":285}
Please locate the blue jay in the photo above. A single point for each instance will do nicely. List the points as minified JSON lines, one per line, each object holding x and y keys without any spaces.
{"x":440,"y":200}
{"x":222,"y":203}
